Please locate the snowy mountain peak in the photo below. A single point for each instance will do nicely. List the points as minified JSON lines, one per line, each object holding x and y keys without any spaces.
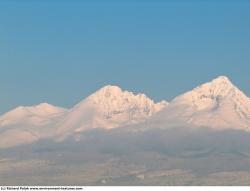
{"x":112,"y":100}
{"x":108,"y":108}
{"x":220,"y":86}
{"x":110,"y":89}
{"x":107,"y":92}
{"x":217,"y":103}
{"x":223,"y":79}
{"x":45,"y":108}
{"x":42,"y":109}
{"x":31,"y":113}
{"x":210,"y":93}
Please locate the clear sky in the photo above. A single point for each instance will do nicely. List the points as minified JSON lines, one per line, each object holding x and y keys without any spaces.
{"x":60,"y":51}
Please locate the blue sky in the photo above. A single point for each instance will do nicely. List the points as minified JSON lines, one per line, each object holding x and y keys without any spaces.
{"x":61,"y":51}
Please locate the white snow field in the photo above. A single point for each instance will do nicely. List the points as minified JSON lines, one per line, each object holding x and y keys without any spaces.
{"x":217,"y":104}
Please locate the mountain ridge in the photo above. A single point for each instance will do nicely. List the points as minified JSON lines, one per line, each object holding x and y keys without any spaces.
{"x":109,"y":107}
{"x":217,"y":104}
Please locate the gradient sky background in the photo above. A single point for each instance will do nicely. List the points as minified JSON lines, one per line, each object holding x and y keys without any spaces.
{"x":61,"y":51}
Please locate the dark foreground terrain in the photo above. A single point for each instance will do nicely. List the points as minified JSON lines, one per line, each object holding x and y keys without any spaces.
{"x":163,"y":157}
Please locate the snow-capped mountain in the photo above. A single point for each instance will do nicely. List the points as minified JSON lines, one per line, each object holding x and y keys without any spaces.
{"x":110,"y":107}
{"x":37,"y":115}
{"x":217,"y":104}
{"x":28,"y":124}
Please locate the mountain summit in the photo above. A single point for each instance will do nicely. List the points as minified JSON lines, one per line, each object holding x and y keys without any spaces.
{"x":31,"y":115}
{"x":210,"y":94}
{"x":29,"y":124}
{"x":110,"y":107}
{"x":113,"y":101}
{"x":217,"y":104}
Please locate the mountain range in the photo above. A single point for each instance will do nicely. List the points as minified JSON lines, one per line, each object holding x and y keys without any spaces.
{"x":217,"y":104}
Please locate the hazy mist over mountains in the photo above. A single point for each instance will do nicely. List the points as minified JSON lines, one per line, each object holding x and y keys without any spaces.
{"x":217,"y":104}
{"x":124,"y":93}
{"x":114,"y":137}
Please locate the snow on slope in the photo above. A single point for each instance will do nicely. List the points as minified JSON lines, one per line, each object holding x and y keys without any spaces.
{"x":108,"y":108}
{"x":217,"y":104}
{"x":37,"y":115}
{"x":25,"y":125}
